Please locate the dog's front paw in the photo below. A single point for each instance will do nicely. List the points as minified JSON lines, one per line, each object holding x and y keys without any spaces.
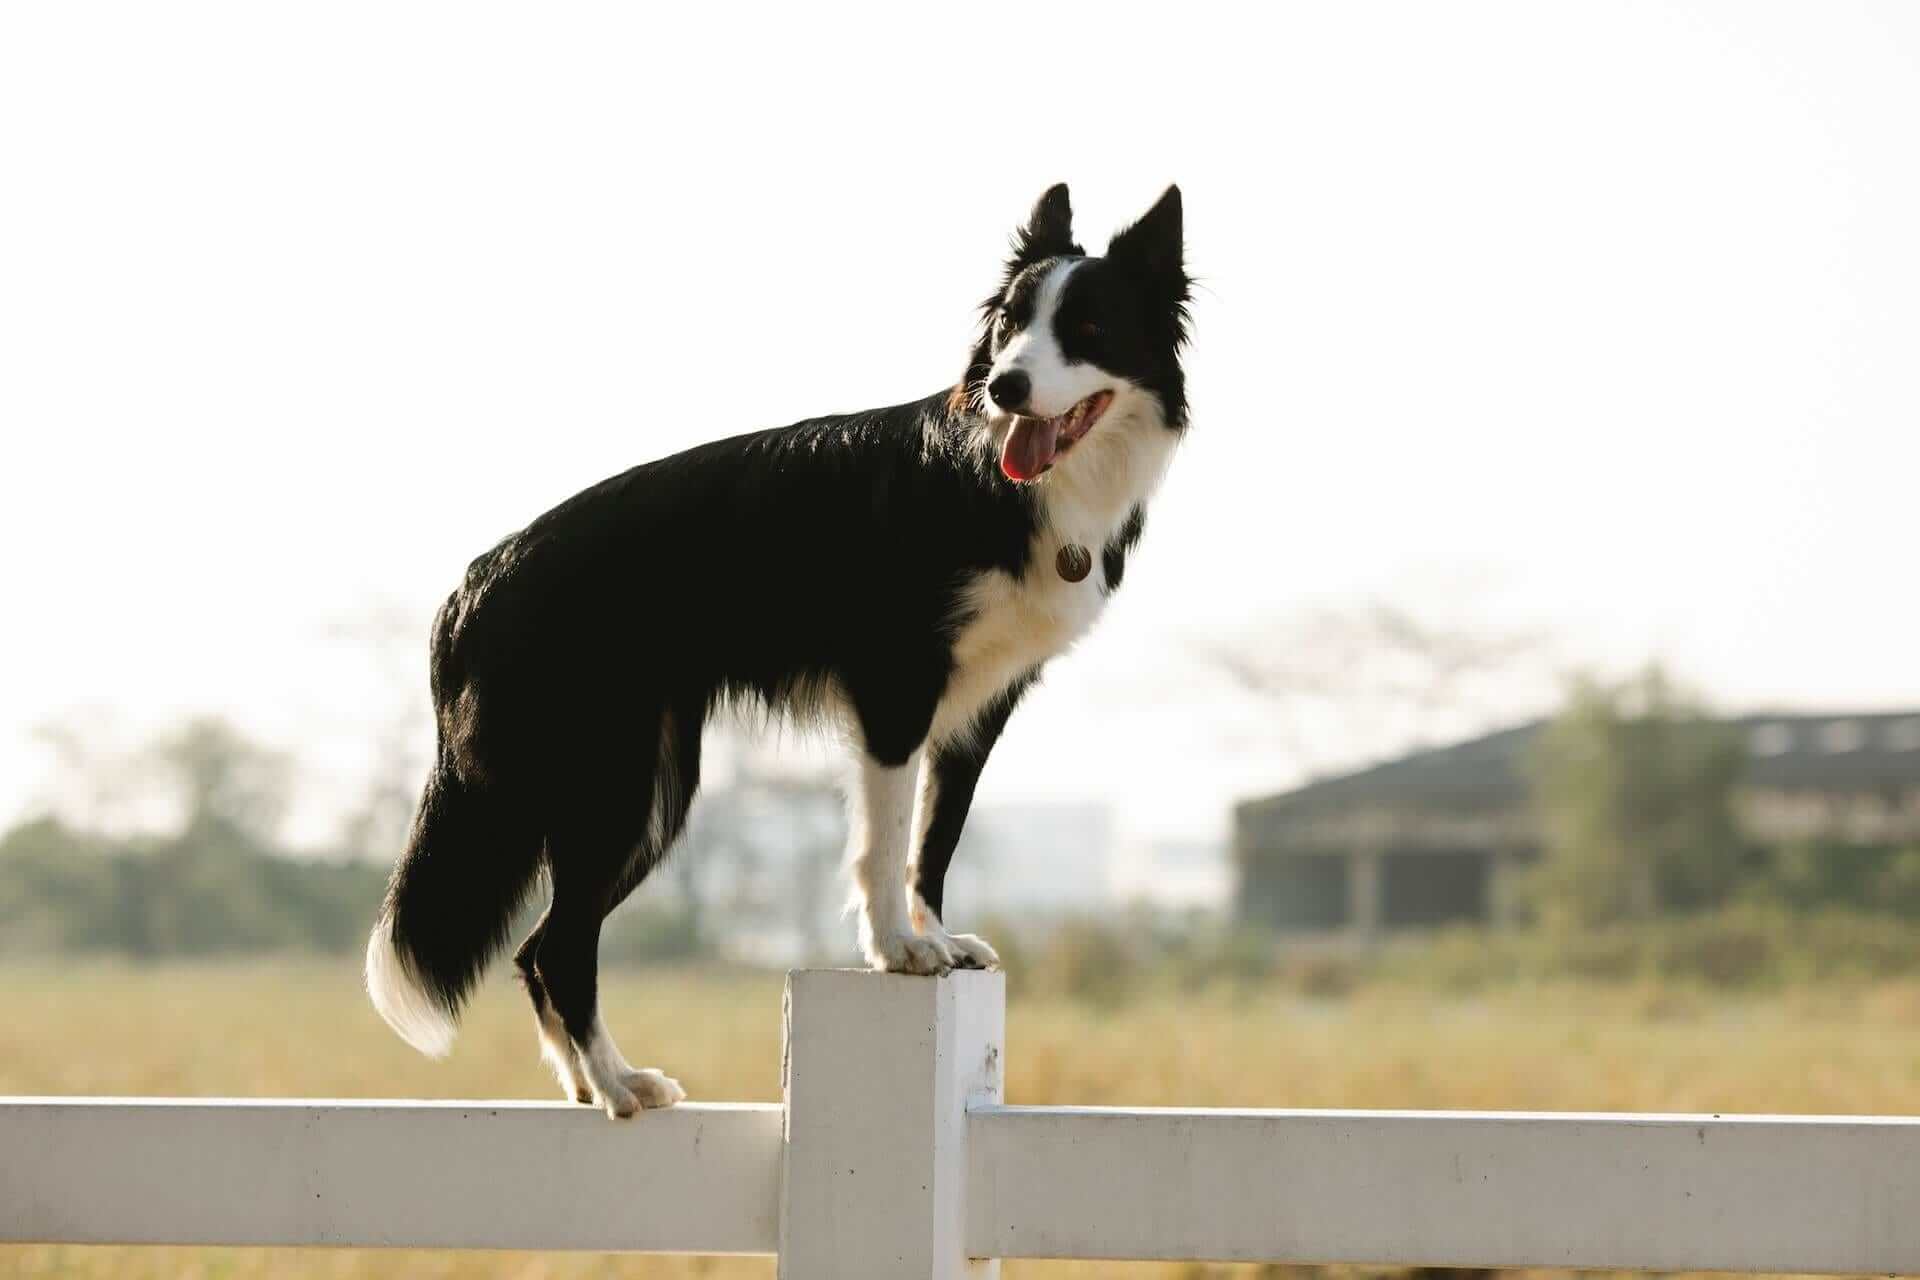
{"x":972,"y":952}
{"x":910,"y":953}
{"x":616,"y":1099}
{"x":653,"y":1089}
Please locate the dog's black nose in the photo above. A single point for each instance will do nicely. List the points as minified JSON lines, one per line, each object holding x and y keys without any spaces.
{"x":1010,"y":390}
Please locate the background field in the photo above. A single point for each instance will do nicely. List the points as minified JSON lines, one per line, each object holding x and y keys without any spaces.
{"x":303,"y":1028}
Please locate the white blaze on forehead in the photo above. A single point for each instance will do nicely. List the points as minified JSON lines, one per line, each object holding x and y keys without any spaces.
{"x":1046,"y":302}
{"x":1035,"y":351}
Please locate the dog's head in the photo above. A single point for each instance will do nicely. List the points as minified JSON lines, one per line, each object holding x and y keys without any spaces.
{"x":1072,"y":345}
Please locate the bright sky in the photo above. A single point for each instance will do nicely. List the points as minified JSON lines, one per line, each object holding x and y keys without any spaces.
{"x":1609,"y":311}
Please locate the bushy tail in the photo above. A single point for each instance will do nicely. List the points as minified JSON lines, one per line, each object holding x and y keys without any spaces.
{"x":471,"y":858}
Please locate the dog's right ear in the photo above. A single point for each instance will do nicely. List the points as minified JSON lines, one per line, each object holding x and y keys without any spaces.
{"x":1049,"y":229}
{"x":1152,"y":247}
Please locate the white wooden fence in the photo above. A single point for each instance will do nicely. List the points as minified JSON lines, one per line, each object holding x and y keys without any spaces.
{"x":893,"y":1157}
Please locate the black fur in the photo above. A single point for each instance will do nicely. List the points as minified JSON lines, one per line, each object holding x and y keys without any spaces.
{"x":1113,"y":556}
{"x":769,"y":568}
{"x":957,"y":768}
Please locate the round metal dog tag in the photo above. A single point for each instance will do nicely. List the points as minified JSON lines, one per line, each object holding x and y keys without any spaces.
{"x":1074,"y":562}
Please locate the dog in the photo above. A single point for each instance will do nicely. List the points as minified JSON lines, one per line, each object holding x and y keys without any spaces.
{"x":901,"y":574}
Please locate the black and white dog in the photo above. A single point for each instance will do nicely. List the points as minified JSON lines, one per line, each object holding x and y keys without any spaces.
{"x":902,"y":574}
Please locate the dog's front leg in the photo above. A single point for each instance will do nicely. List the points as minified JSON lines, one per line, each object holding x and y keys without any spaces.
{"x":946,"y":793}
{"x":884,"y":829}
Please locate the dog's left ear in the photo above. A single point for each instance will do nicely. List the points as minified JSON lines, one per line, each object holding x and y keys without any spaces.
{"x":1153,"y":247}
{"x":1049,"y":229}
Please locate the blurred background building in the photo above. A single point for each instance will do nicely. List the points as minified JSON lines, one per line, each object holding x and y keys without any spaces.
{"x":1446,"y":836}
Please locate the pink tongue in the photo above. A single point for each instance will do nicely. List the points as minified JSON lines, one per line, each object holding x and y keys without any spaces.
{"x":1029,"y":448}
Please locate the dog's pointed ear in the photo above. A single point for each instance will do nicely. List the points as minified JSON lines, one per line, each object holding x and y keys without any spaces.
{"x":1153,"y":247}
{"x":1049,"y":229}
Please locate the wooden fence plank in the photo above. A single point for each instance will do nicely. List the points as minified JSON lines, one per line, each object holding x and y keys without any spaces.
{"x":470,"y":1175}
{"x":1656,"y":1192}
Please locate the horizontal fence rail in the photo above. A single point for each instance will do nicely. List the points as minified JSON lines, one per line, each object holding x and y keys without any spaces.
{"x":469,"y":1175}
{"x":893,"y":1156}
{"x":1464,"y":1189}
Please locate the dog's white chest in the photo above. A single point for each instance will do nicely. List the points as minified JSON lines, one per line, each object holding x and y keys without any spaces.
{"x":1014,"y":626}
{"x":1011,"y":626}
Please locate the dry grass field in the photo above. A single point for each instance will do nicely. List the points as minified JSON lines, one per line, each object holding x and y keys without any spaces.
{"x":303,"y":1028}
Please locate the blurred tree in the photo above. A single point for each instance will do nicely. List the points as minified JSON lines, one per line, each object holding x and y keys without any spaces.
{"x":219,"y":881}
{"x":57,"y":889}
{"x":1633,"y":785}
{"x":97,"y":781}
{"x":1898,"y":884}
{"x":220,"y":776}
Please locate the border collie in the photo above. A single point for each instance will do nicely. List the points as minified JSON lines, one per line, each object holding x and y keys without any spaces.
{"x":900,"y":574}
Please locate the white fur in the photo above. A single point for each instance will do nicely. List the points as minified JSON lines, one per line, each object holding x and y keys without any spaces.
{"x":1013,"y":625}
{"x":884,"y":831}
{"x":557,"y":1051}
{"x":401,"y":999}
{"x":926,"y":797}
{"x":620,"y":1088}
{"x":975,"y":950}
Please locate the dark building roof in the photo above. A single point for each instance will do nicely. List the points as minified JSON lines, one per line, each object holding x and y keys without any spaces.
{"x":1791,"y":751}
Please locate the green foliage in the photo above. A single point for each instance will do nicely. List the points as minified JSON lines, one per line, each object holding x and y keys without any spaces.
{"x":212,"y":889}
{"x":1897,"y":884}
{"x":1634,"y":789}
{"x":1091,"y":961}
{"x":222,"y":883}
{"x":1107,"y":962}
{"x":1814,"y":875}
{"x":1745,"y":946}
{"x":651,"y":932}
{"x":57,"y":890}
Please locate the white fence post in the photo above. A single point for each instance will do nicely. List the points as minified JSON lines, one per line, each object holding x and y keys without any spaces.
{"x":879,"y":1071}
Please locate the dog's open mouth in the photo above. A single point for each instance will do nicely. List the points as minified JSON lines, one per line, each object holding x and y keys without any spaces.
{"x":1033,"y":443}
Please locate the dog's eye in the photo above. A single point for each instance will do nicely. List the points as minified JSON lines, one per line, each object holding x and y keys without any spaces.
{"x":1008,"y":325}
{"x":1090,"y":329}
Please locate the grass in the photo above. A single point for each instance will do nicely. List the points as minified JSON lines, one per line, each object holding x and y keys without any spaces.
{"x":303,"y":1028}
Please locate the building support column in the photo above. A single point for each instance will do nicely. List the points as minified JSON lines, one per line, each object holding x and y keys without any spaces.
{"x":1503,"y":888}
{"x":1364,"y":894}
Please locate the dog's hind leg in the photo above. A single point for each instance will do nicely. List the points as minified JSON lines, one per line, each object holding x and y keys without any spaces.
{"x":555,"y":1047}
{"x":611,"y":836}
{"x":586,"y":876}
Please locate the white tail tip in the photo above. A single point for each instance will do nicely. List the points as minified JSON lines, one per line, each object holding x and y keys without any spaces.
{"x":402,"y":1001}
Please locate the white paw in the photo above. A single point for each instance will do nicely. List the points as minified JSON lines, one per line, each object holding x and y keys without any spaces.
{"x":972,"y":952}
{"x":621,"y":1089}
{"x":617,"y":1100}
{"x":902,"y":952}
{"x":653,"y":1088}
{"x":573,"y":1081}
